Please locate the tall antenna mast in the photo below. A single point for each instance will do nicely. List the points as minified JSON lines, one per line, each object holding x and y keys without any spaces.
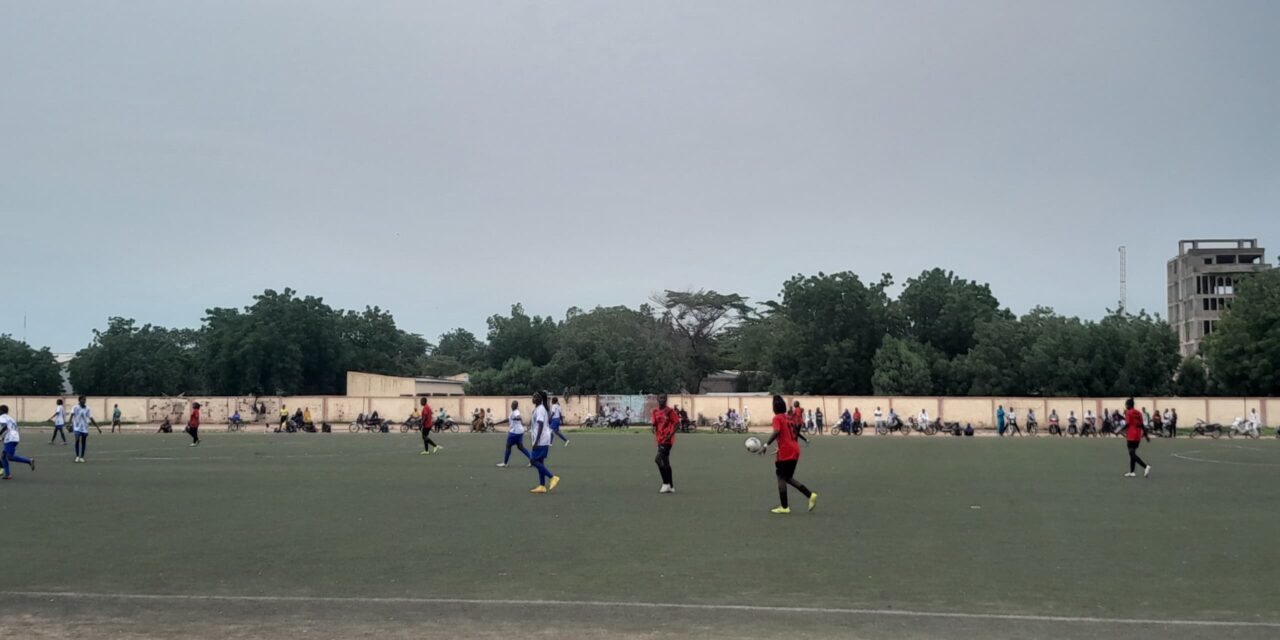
{"x":1124,"y":281}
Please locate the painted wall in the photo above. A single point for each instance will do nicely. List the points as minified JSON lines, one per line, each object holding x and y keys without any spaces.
{"x":980,"y":412}
{"x":374,"y":385}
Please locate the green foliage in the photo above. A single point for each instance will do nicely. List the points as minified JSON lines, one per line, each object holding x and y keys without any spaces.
{"x":129,"y":360}
{"x":521,"y":336}
{"x":517,"y":376}
{"x":1192,"y":379}
{"x":902,"y":368}
{"x":25,"y":371}
{"x":1243,"y":354}
{"x":617,"y":350}
{"x":826,"y":330}
{"x":943,"y":311}
{"x":701,"y":318}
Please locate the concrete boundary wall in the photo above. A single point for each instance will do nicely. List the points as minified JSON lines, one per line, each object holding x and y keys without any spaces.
{"x":980,"y":412}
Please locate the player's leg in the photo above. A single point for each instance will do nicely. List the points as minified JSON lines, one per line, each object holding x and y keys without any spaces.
{"x":4,"y":461}
{"x":663,"y":460}
{"x":780,"y":470}
{"x":11,"y":454}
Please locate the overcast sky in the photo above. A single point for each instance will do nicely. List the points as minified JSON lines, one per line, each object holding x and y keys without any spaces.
{"x":444,"y":160}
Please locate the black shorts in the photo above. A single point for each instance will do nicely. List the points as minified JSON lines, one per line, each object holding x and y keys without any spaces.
{"x":1132,"y":444}
{"x":785,"y":469}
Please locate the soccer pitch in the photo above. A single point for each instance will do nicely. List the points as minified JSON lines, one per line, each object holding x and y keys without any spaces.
{"x":336,"y":536}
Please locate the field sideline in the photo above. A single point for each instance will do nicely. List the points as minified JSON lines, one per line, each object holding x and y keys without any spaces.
{"x":252,"y":535}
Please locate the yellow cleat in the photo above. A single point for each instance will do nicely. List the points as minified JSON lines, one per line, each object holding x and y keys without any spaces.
{"x":555,"y":480}
{"x":538,"y":489}
{"x":813,"y":500}
{"x":782,"y":510}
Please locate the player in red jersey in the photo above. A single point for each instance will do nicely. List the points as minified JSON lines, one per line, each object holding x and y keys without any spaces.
{"x":785,"y":433}
{"x":665,"y":421}
{"x":1134,"y":432}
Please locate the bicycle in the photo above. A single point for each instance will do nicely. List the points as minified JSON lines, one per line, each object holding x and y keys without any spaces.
{"x":235,"y":425}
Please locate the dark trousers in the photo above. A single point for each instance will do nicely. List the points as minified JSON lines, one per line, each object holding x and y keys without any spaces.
{"x":58,"y":431}
{"x":427,"y":442}
{"x":663,"y":460}
{"x":194,"y":432}
{"x":82,"y":443}
{"x":786,"y":470}
{"x":1133,"y":457}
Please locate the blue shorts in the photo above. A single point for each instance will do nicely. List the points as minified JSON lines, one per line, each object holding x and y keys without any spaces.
{"x":555,"y":424}
{"x":540,"y":453}
{"x":514,"y":439}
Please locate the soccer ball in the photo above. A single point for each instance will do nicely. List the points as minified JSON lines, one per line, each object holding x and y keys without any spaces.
{"x":754,"y":445}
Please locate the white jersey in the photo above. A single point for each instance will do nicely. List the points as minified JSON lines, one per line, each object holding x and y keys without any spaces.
{"x":540,"y":428}
{"x":80,"y":419}
{"x":60,"y":416}
{"x":10,"y":434}
{"x":516,"y":422}
{"x":555,"y":412}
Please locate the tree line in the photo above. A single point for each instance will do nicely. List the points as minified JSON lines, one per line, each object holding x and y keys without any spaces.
{"x":824,"y":334}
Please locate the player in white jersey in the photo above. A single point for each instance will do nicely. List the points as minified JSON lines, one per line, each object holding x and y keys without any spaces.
{"x":541,"y":441}
{"x":59,"y":419}
{"x":81,"y":416}
{"x":9,"y":433}
{"x":557,"y":417}
{"x":515,"y":434}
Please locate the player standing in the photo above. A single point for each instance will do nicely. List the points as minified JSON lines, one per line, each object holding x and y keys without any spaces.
{"x":784,"y":433}
{"x":81,"y":416}
{"x":665,"y":421}
{"x":9,"y":431}
{"x":428,"y":423}
{"x":115,"y":419}
{"x":59,"y":418}
{"x":1135,"y":432}
{"x":515,"y":435}
{"x":541,"y":441}
{"x":557,"y":417}
{"x":193,"y":424}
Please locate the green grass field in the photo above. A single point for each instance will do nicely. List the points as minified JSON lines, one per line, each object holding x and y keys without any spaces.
{"x":347,"y":535}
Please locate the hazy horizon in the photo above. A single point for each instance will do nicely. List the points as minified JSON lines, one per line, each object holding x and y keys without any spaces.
{"x":446,"y":161}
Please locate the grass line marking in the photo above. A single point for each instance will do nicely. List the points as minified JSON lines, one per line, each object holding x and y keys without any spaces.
{"x":905,"y":613}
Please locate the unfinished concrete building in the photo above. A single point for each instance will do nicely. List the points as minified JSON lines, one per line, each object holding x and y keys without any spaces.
{"x":1202,"y":281}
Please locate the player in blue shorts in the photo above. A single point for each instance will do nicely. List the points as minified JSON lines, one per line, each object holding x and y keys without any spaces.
{"x":515,"y":434}
{"x":541,"y":441}
{"x":59,"y":419}
{"x":9,"y":434}
{"x":557,"y":417}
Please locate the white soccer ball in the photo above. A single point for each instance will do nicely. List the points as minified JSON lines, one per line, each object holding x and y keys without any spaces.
{"x":754,"y":445}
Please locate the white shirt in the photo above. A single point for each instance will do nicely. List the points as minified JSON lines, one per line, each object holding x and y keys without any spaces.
{"x":60,"y":415}
{"x":516,"y":422}
{"x":1088,"y":415}
{"x":80,"y":419}
{"x":555,"y":412}
{"x":540,"y":429}
{"x":878,"y":414}
{"x":10,"y":435}
{"x":1013,"y":415}
{"x":924,"y":416}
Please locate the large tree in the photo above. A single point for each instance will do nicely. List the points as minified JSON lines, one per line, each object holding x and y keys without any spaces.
{"x":700,"y":318}
{"x":128,"y":360}
{"x":25,"y":371}
{"x":943,"y":310}
{"x":617,"y":350}
{"x":902,"y":368}
{"x":521,"y":336}
{"x":1243,"y":354}
{"x":827,"y":329}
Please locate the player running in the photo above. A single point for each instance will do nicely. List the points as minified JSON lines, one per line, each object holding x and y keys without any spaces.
{"x":541,"y":441}
{"x":81,"y":417}
{"x":784,"y":433}
{"x":59,"y":419}
{"x":515,"y":435}
{"x":1135,"y":432}
{"x":557,"y":417}
{"x":428,"y":421}
{"x":9,"y":432}
{"x":665,"y":422}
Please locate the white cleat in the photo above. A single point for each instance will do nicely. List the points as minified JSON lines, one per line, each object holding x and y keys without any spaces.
{"x":502,"y":464}
{"x":666,"y":488}
{"x":1131,"y":475}
{"x":1146,"y":473}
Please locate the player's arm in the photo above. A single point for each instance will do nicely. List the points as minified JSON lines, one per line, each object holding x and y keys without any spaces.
{"x":765,"y":448}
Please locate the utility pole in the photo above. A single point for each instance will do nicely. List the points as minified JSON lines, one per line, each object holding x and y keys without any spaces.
{"x":1124,"y":281}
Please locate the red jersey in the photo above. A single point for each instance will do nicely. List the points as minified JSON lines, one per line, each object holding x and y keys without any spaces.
{"x":428,"y":418}
{"x":797,"y":416}
{"x":1133,"y":418}
{"x":665,"y":422}
{"x":857,"y":416}
{"x":194,"y":422}
{"x":788,"y":449}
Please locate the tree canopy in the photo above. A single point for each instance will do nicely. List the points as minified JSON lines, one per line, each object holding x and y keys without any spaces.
{"x":27,"y":371}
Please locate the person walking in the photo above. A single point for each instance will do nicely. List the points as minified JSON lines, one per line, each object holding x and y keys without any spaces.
{"x":665,"y":421}
{"x":81,"y":418}
{"x":1135,"y":431}
{"x":59,"y":419}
